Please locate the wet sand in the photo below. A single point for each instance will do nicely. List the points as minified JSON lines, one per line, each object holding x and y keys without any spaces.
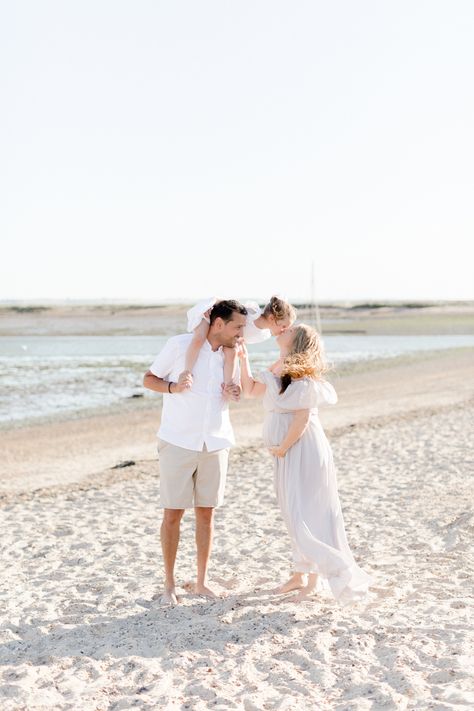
{"x":64,"y":451}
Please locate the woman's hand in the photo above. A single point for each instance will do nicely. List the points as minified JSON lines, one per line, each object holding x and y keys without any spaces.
{"x":242,"y":351}
{"x":276,"y":367}
{"x":277,"y":451}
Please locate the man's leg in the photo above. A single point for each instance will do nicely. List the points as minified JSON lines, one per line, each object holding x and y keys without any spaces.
{"x":208,"y":493}
{"x":169,"y":545}
{"x":177,"y":467}
{"x":204,"y":531}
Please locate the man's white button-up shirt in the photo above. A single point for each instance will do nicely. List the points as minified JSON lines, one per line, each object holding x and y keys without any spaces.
{"x":200,"y":415}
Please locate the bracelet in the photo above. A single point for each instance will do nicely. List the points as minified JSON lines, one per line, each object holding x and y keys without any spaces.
{"x":169,"y":387}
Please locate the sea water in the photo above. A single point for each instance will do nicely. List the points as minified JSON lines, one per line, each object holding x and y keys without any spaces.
{"x":43,"y":376}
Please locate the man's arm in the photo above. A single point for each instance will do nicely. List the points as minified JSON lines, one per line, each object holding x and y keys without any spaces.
{"x":159,"y":385}
{"x":163,"y":365}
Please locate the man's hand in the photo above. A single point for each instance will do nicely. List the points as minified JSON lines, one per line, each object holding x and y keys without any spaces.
{"x":231,"y":391}
{"x":277,"y":451}
{"x":185,"y":382}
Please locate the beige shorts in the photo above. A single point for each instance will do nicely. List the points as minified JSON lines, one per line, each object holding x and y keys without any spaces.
{"x":189,"y":478}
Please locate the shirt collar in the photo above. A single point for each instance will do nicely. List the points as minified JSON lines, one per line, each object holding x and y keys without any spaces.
{"x":208,"y":346}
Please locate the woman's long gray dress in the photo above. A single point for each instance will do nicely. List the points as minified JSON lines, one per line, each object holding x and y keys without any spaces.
{"x":306,"y":488}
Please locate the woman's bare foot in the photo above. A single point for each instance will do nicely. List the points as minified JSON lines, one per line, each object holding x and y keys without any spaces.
{"x":306,"y":591}
{"x":294,"y":583}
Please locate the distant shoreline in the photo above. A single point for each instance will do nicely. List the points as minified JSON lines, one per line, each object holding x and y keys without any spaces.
{"x":117,"y":318}
{"x":24,"y":305}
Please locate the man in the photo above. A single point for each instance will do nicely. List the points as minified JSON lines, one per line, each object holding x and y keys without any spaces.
{"x":195,"y":436}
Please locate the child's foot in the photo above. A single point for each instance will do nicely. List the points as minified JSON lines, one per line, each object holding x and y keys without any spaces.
{"x":185,"y":380}
{"x":294,"y":583}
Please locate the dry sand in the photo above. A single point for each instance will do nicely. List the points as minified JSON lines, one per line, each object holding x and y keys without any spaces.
{"x":80,"y":628}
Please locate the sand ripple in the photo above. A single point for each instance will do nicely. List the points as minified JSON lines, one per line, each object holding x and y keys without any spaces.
{"x":80,"y":628}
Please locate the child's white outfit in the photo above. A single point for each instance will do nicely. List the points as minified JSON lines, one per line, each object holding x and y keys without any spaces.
{"x":252,"y":334}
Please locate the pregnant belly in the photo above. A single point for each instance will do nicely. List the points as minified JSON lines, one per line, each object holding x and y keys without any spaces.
{"x":275,"y":427}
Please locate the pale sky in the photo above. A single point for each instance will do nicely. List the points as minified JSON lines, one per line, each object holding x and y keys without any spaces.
{"x":172,"y":150}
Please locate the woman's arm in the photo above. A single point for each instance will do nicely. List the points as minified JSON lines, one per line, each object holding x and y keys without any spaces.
{"x":250,"y":387}
{"x":298,"y":425}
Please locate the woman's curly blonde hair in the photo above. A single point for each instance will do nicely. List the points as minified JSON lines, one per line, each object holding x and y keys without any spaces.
{"x":306,"y":357}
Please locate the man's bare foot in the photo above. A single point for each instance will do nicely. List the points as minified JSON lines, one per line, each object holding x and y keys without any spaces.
{"x":204,"y":591}
{"x":199,"y":589}
{"x":294,"y":583}
{"x":168,"y":597}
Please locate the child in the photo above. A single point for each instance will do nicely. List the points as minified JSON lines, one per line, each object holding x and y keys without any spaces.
{"x":275,"y":318}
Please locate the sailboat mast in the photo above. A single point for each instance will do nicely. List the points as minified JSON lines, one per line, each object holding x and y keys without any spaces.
{"x":314,"y":311}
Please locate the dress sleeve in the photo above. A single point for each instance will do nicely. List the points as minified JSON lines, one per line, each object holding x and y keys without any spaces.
{"x":262,"y":376}
{"x":307,"y":393}
{"x":165,"y":360}
{"x":326,"y":393}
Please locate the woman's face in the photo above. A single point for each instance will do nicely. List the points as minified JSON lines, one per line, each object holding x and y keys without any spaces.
{"x":278,"y":327}
{"x":286,"y":337}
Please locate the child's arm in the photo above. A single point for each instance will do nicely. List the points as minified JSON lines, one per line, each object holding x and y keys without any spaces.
{"x":230,"y":365}
{"x":231,"y":386}
{"x":298,"y":425}
{"x":199,"y":336}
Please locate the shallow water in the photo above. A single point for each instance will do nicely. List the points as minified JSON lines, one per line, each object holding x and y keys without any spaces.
{"x":49,"y":375}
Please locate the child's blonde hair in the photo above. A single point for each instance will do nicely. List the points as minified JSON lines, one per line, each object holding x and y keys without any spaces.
{"x":306,"y":357}
{"x":279,"y":309}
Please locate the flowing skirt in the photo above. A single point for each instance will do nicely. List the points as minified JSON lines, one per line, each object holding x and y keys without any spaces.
{"x":306,"y":490}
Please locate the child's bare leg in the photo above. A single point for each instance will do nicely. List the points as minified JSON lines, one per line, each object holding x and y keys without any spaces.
{"x":230,"y":365}
{"x":199,"y":336}
{"x":296,"y":582}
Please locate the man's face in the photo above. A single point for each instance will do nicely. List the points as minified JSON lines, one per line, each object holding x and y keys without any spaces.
{"x":230,"y":332}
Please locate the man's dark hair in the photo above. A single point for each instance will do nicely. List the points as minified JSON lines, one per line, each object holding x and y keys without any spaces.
{"x":226,"y":309}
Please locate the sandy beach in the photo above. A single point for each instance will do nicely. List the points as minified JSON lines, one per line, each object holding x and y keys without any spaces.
{"x":81,"y":628}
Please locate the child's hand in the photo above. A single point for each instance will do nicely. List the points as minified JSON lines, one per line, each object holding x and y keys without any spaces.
{"x":185,"y":381}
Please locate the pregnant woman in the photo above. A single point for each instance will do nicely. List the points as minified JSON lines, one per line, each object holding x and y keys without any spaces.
{"x":304,"y":473}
